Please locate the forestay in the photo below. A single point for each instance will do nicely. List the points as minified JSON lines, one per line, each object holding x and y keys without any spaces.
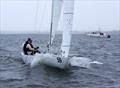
{"x":55,"y":17}
{"x":68,"y":6}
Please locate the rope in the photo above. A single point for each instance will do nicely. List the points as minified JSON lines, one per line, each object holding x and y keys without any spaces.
{"x":43,"y":16}
{"x":36,"y":14}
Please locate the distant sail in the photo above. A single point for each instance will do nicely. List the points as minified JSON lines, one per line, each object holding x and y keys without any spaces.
{"x":68,"y":6}
{"x":55,"y":17}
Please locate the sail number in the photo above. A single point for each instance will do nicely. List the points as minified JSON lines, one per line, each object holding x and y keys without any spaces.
{"x":59,"y":60}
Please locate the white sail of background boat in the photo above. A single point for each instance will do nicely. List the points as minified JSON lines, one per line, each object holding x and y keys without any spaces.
{"x":50,"y":59}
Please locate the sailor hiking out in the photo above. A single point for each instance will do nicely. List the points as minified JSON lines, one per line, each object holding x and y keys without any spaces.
{"x":28,"y":48}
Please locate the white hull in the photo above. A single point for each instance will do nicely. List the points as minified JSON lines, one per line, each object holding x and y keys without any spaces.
{"x":46,"y":59}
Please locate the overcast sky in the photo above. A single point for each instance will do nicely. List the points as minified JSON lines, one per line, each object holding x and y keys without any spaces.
{"x":19,"y":16}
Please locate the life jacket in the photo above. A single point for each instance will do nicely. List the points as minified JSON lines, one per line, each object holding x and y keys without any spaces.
{"x":25,"y":49}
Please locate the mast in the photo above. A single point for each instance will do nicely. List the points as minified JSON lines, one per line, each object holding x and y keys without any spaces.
{"x":51,"y":26}
{"x":99,"y":29}
{"x":55,"y":17}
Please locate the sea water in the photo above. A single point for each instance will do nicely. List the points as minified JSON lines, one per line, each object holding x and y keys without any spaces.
{"x":95,"y":63}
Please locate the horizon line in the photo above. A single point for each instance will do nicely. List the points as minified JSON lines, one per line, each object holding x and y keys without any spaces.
{"x":73,"y":32}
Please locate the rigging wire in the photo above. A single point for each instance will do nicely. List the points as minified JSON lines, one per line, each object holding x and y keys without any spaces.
{"x":43,"y":16}
{"x":39,"y":20}
{"x":36,"y":15}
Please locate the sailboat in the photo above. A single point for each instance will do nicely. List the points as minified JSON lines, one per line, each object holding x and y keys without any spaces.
{"x":64,"y":7}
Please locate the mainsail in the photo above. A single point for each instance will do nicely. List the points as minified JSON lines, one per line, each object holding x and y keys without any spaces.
{"x":55,"y":17}
{"x":68,"y":6}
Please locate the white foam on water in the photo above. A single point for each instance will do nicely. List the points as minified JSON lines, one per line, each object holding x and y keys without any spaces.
{"x":95,"y":62}
{"x":82,"y":62}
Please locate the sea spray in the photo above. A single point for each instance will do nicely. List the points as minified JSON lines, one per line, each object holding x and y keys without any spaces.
{"x":82,"y":62}
{"x":95,"y":62}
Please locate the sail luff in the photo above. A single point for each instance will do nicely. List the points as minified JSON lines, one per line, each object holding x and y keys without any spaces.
{"x":55,"y":17}
{"x":51,"y":24}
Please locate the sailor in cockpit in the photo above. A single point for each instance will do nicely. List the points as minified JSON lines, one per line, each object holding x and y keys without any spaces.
{"x":28,"y":48}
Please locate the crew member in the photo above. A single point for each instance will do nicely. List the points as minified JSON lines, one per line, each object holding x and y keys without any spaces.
{"x":28,"y":48}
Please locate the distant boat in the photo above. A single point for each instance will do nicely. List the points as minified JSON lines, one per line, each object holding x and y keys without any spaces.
{"x":99,"y":34}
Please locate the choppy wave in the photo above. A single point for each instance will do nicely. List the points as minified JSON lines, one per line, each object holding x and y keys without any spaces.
{"x":103,"y":64}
